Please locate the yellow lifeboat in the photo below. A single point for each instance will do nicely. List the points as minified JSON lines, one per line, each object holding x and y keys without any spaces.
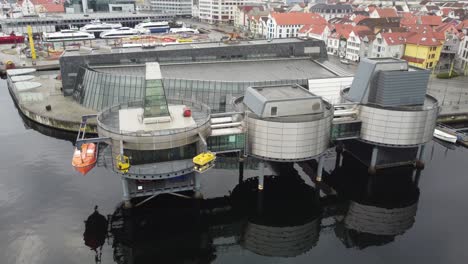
{"x":204,"y":161}
{"x":84,"y":159}
{"x":123,"y":163}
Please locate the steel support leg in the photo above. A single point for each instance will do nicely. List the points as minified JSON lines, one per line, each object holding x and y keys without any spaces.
{"x":320,"y":168}
{"x":198,"y":194}
{"x":419,"y":164}
{"x":417,"y":176}
{"x":126,"y":193}
{"x":260,"y":192}
{"x":339,"y":151}
{"x":373,"y":162}
{"x":241,"y":168}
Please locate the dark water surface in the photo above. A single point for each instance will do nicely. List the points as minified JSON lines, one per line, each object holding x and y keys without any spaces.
{"x":44,"y":204}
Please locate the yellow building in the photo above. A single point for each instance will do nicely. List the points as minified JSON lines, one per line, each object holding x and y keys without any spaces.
{"x":422,"y":50}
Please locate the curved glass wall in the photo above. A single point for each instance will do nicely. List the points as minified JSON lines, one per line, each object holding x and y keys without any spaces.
{"x":99,"y":90}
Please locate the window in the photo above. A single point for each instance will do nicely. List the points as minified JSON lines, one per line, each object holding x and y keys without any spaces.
{"x":274,"y":110}
{"x":430,"y":65}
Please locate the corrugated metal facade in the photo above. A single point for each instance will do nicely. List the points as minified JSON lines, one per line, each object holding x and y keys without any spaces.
{"x":397,"y":88}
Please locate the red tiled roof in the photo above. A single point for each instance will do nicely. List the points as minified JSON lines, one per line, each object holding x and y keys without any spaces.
{"x":463,"y":24}
{"x":314,"y":29}
{"x":387,"y":12}
{"x":440,"y":36}
{"x":406,"y":14}
{"x":344,"y":29}
{"x":413,"y":59}
{"x":446,"y":11}
{"x":419,"y":28}
{"x":395,"y":38}
{"x":430,"y":20}
{"x":359,"y":18}
{"x":408,"y":21}
{"x":248,"y":8}
{"x":421,"y":39}
{"x":298,"y":18}
{"x":446,"y":27}
{"x":50,"y":6}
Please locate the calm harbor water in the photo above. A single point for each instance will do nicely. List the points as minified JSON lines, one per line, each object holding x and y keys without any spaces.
{"x":44,"y":204}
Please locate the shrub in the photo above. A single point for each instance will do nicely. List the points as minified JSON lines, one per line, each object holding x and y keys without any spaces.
{"x":446,"y":75}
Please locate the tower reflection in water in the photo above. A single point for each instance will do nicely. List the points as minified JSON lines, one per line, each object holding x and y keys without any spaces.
{"x":378,"y":207}
{"x":283,"y":220}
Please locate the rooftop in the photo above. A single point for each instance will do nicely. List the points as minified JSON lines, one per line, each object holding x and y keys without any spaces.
{"x":282,"y":92}
{"x":297,"y":18}
{"x":245,"y":70}
{"x":386,"y":12}
{"x":182,"y":46}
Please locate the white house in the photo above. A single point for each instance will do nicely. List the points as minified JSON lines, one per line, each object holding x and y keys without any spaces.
{"x":333,"y":43}
{"x":286,"y":25}
{"x":243,"y":13}
{"x":389,"y":45}
{"x":353,"y":47}
{"x":359,"y":43}
{"x":463,"y":55}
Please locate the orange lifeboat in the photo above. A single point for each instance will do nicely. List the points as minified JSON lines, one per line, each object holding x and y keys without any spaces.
{"x":85,"y":159}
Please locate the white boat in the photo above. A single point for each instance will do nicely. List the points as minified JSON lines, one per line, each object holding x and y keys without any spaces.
{"x":344,"y":61}
{"x":184,"y":30}
{"x":25,"y":86}
{"x":67,"y":35}
{"x":444,"y":136}
{"x":96,"y":27}
{"x":123,"y":32}
{"x":154,"y":27}
{"x":24,"y":71}
{"x":22,"y":78}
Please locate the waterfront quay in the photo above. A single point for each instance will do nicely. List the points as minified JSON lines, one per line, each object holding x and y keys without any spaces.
{"x":57,"y":22}
{"x":274,"y":100}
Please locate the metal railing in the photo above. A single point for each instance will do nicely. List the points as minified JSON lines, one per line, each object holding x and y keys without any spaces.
{"x":200,"y":112}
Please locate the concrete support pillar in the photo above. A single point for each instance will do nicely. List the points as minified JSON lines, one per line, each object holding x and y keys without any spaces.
{"x":339,"y":151}
{"x":419,"y":164}
{"x":241,"y":168}
{"x":260,"y":182}
{"x":321,"y":161}
{"x":260,"y":192}
{"x":373,"y":162}
{"x":126,"y":193}
{"x":197,"y":187}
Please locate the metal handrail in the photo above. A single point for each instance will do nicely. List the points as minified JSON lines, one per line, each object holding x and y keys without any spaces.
{"x":204,"y":109}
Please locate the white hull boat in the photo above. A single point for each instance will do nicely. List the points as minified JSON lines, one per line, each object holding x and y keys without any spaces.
{"x":439,"y":134}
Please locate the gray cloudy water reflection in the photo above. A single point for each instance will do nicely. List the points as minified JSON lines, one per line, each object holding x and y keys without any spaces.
{"x":44,"y":204}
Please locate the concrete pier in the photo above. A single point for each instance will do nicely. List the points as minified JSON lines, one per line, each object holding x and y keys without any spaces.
{"x":65,"y":113}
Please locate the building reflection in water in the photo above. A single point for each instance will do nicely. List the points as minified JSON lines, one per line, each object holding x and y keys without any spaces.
{"x":379,"y":207}
{"x":283,"y":220}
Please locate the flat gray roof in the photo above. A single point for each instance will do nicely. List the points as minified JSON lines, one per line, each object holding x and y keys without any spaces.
{"x":182,"y":46}
{"x":282,"y":92}
{"x":233,"y":71}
